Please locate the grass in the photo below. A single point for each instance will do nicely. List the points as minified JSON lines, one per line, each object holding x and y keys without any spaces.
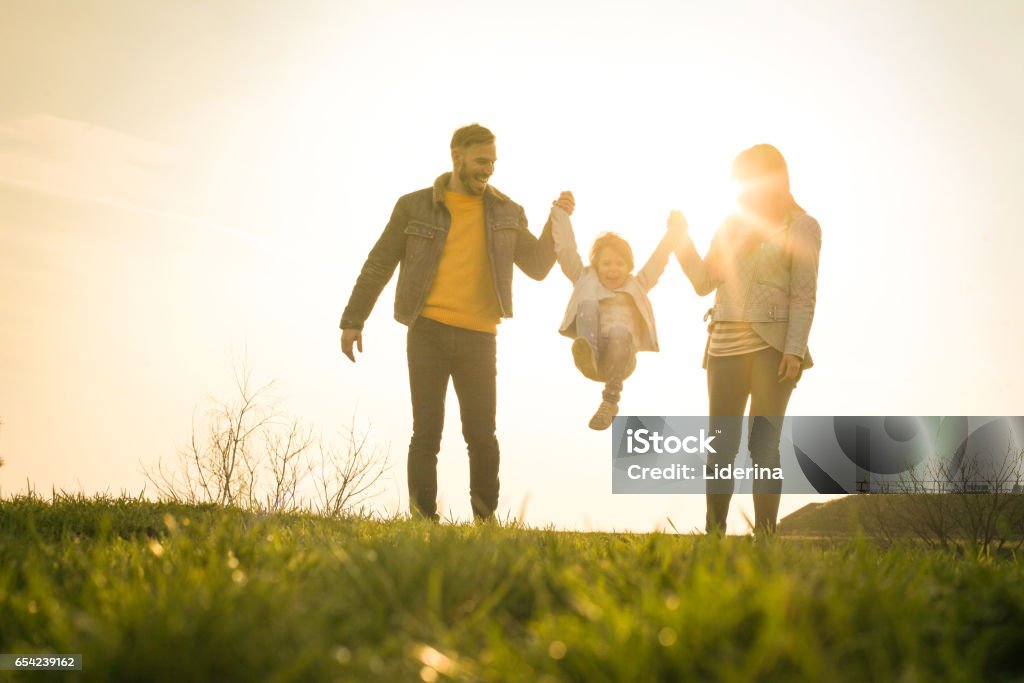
{"x":163,"y":592}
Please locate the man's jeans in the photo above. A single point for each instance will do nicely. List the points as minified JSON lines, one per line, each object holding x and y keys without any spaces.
{"x":615,"y":351}
{"x":437,"y":352}
{"x":731,"y":381}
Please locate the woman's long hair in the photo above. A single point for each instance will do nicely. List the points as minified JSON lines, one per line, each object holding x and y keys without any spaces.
{"x":761,"y":161}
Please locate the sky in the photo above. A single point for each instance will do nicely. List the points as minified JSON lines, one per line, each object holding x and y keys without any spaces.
{"x":185,"y":184}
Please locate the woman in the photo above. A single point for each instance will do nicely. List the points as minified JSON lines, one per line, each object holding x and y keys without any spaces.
{"x":763,"y":267}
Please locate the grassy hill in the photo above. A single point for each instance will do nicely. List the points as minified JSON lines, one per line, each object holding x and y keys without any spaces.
{"x":908,"y":516}
{"x":155,"y":592}
{"x":835,"y":518}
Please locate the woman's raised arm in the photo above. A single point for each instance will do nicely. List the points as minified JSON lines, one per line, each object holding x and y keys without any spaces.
{"x":703,"y":273}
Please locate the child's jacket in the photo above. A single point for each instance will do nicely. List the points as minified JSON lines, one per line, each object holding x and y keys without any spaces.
{"x":587,"y":286}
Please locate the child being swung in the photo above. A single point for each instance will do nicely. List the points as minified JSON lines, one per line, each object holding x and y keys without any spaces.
{"x":609,"y":317}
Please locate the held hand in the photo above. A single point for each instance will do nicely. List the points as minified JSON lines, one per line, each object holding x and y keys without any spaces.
{"x":677,"y":225}
{"x":566,"y":201}
{"x":675,"y":233}
{"x":348,"y":338}
{"x":789,"y":368}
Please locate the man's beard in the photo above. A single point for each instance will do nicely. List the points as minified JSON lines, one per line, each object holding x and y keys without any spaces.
{"x":465,"y":179}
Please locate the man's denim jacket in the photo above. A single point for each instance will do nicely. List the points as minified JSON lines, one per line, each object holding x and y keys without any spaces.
{"x":772,"y":285}
{"x":415,"y":237}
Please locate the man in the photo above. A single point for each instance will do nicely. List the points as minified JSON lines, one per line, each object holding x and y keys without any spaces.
{"x":456,"y":242}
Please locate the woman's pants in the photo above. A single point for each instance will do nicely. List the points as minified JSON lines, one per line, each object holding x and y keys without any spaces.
{"x":731,"y":381}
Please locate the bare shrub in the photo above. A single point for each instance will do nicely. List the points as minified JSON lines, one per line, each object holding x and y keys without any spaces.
{"x":248,"y":452}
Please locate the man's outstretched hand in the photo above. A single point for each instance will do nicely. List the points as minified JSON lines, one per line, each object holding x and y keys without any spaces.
{"x":566,"y":201}
{"x":350,"y":338}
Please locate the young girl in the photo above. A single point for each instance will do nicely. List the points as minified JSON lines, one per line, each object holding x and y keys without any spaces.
{"x":609,"y":317}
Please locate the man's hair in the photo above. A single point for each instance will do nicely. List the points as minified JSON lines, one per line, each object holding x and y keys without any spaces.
{"x":616,"y":243}
{"x":473,"y":134}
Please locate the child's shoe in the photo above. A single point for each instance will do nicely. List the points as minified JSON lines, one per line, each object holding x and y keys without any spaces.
{"x":583,"y":356}
{"x":606,"y":412}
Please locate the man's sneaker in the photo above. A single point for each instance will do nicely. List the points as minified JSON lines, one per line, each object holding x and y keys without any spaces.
{"x":583,"y":356}
{"x":606,"y":412}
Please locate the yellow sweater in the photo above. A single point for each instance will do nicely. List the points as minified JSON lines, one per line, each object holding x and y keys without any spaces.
{"x":463,"y":290}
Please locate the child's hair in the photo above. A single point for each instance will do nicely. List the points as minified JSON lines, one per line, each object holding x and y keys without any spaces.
{"x":616,"y":243}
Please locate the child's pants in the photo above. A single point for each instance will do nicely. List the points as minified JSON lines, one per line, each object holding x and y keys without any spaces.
{"x":614,"y":349}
